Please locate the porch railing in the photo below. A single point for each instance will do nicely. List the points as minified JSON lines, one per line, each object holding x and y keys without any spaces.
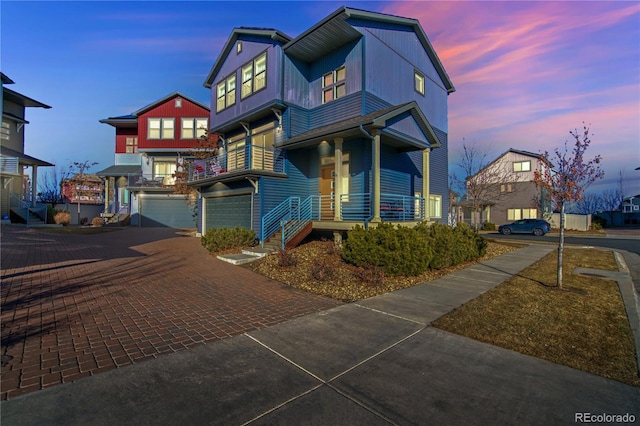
{"x":150,"y":180}
{"x":248,"y":157}
{"x":293,"y":214}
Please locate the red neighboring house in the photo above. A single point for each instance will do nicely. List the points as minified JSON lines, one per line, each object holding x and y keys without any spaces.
{"x":149,"y":145}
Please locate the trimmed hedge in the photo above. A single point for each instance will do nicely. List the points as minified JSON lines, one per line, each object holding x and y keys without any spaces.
{"x":397,"y":251}
{"x":411,"y":251}
{"x":218,"y":239}
{"x":452,"y":246}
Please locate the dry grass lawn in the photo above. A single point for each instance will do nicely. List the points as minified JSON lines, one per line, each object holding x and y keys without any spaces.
{"x":319,"y":269}
{"x":583,"y":326}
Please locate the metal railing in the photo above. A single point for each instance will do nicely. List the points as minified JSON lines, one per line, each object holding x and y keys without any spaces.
{"x":401,"y":208}
{"x":248,"y":157}
{"x":275,"y":219}
{"x":140,"y":180}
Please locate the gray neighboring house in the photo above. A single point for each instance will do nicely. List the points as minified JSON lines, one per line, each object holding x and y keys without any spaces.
{"x":511,"y":193}
{"x":17,"y":194}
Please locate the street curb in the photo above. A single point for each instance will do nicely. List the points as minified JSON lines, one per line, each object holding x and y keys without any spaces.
{"x":631,"y":302}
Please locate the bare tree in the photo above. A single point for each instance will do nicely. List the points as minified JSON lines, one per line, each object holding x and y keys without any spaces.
{"x":611,"y":199}
{"x":590,"y":204}
{"x":483,"y":179}
{"x":566,"y":177}
{"x":80,"y":181}
{"x":50,"y":189}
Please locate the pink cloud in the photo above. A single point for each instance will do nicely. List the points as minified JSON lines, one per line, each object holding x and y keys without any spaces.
{"x":528,"y":72}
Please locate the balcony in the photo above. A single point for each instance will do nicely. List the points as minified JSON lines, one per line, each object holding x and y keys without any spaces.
{"x":150,"y":181}
{"x":244,"y":158}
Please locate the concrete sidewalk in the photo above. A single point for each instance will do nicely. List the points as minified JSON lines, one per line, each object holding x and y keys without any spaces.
{"x":373,"y":362}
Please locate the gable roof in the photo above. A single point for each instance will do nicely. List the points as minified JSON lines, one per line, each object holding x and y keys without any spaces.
{"x":335,"y":31}
{"x":131,"y":120}
{"x":516,"y":151}
{"x":273,"y":34}
{"x":354,"y":126}
{"x":168,"y":98}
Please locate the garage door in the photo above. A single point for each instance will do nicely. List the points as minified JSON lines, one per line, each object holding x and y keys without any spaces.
{"x":166,"y":212}
{"x":228,"y":212}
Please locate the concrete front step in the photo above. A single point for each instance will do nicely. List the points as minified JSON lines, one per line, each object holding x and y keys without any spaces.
{"x":246,"y":256}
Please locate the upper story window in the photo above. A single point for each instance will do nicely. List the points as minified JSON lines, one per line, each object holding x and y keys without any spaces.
{"x":131,"y":144}
{"x":163,"y":168}
{"x":239,"y":47}
{"x":418,"y":82}
{"x":6,"y":131}
{"x":161,"y":128}
{"x":193,"y":128}
{"x":226,"y":93}
{"x":254,"y":75}
{"x":522,"y":166}
{"x":334,"y":84}
{"x":178,"y":103}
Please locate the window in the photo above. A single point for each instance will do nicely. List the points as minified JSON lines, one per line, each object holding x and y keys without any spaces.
{"x":239,"y":47}
{"x":435,"y":205}
{"x":522,"y":166}
{"x":226,"y":93}
{"x":506,"y":188}
{"x":193,"y":128}
{"x":178,"y":103}
{"x":517,"y":214}
{"x":418,"y":82}
{"x":4,"y":135}
{"x":131,"y":145}
{"x":262,"y":139}
{"x":160,"y":128}
{"x":163,"y":168}
{"x":334,"y":85}
{"x":254,"y":75}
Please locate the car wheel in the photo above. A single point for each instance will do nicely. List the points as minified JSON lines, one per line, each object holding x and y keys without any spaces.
{"x":506,"y":231}
{"x":538,"y":232}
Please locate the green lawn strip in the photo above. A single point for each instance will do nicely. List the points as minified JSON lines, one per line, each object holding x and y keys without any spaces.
{"x":583,"y":326}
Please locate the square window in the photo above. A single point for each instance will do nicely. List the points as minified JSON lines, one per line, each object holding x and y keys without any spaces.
{"x":178,"y":103}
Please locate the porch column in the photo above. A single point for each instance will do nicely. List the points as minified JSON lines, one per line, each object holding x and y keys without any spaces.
{"x":34,"y":185}
{"x":426,"y":154}
{"x":375,"y":168}
{"x":337,"y":190}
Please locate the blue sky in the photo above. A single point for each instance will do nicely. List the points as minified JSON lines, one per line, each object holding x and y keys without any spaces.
{"x":525,"y":72}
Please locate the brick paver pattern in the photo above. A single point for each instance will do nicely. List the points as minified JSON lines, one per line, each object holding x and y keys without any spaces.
{"x":77,"y":305}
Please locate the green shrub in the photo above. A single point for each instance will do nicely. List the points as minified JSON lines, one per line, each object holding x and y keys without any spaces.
{"x":488,"y":226}
{"x":51,"y":213}
{"x":396,"y":250}
{"x":598,"y":223}
{"x":62,"y":217}
{"x":452,"y":246}
{"x":218,"y":239}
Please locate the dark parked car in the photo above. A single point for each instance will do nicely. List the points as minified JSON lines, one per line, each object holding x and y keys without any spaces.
{"x":526,"y":226}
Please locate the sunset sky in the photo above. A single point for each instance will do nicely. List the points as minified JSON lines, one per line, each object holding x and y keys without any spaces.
{"x":525,"y":72}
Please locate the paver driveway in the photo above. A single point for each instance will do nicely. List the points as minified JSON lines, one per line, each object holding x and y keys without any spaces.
{"x":77,"y":305}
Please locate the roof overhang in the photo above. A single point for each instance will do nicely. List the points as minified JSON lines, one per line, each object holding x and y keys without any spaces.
{"x":20,"y":99}
{"x":363,"y":125}
{"x":335,"y":31}
{"x":262,"y":111}
{"x":118,"y":171}
{"x":235,"y":176}
{"x":23,"y":159}
{"x":124,"y":121}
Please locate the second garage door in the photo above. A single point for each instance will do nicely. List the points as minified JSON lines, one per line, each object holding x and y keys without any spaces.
{"x":169,"y":212}
{"x":228,"y":212}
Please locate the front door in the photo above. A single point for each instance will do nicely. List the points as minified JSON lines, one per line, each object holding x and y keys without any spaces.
{"x":327,"y":184}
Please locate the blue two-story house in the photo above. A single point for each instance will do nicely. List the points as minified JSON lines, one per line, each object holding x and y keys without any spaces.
{"x":345,"y":124}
